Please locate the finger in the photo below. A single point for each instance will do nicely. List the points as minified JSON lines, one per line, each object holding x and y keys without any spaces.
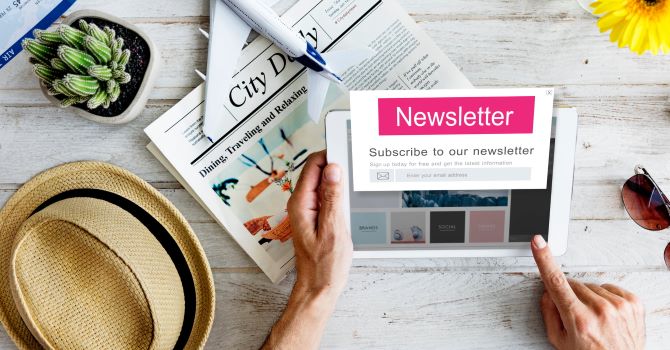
{"x":305,"y":195}
{"x":585,"y":294}
{"x":637,"y":304}
{"x":623,"y":300}
{"x":621,"y":292}
{"x":330,"y":213}
{"x":303,"y":205}
{"x":552,"y":320}
{"x":604,"y":293}
{"x":554,"y":281}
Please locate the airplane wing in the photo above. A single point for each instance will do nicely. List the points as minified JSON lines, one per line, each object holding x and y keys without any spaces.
{"x":317,"y":88}
{"x":317,"y":85}
{"x":227,"y":35}
{"x":341,"y":60}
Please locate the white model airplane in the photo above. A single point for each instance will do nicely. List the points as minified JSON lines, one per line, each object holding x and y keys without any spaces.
{"x":231,"y":21}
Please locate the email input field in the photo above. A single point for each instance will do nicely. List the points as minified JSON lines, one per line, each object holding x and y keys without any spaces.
{"x":460,"y":174}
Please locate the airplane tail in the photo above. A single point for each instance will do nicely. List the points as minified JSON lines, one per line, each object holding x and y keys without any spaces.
{"x":317,"y":84}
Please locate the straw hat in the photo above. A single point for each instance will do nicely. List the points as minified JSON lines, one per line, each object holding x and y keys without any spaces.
{"x":93,"y":257}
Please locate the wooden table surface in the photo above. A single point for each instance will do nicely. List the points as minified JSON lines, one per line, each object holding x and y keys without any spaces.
{"x":624,"y":120}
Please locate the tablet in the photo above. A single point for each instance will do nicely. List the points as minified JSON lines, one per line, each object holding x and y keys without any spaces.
{"x":464,"y":223}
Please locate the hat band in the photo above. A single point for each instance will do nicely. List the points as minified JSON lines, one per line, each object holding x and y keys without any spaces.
{"x":162,"y":235}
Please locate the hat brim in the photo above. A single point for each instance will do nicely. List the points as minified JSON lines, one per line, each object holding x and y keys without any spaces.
{"x":121,"y":183}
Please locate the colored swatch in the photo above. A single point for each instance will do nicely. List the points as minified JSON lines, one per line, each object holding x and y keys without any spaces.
{"x":487,"y":226}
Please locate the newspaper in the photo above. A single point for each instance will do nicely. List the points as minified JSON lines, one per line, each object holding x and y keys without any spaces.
{"x":245,"y":178}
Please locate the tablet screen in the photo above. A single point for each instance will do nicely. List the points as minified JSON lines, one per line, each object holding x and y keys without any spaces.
{"x":448,"y":219}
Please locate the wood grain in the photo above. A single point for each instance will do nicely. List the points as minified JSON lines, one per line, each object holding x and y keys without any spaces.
{"x":419,"y":310}
{"x":424,"y":310}
{"x":624,"y":112}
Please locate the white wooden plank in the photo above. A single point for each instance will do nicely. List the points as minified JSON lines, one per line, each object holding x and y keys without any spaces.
{"x":504,"y":52}
{"x":490,"y":52}
{"x":185,"y":9}
{"x":427,"y":310}
{"x":422,"y":310}
{"x":36,"y":138}
{"x":175,"y":12}
{"x":452,"y":9}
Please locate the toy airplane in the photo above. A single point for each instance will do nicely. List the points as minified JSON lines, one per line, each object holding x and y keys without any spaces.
{"x":231,"y":21}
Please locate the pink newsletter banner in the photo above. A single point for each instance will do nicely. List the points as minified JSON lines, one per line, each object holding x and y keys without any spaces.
{"x":456,"y":115}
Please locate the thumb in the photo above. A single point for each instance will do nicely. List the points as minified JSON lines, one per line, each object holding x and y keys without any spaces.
{"x":331,"y":195}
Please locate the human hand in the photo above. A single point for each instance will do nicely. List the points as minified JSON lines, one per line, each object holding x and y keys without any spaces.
{"x":586,"y":316}
{"x":323,"y":246}
{"x":323,"y":251}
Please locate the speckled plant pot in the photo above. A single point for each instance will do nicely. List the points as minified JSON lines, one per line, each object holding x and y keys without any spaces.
{"x":135,"y":104}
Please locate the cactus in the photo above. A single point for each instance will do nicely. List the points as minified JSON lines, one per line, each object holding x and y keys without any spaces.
{"x":80,"y":65}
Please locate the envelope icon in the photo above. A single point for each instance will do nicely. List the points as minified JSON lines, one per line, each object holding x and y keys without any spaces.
{"x":383,"y":176}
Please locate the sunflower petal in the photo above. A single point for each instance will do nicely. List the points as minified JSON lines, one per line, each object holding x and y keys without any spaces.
{"x":609,"y":6}
{"x":643,"y":45}
{"x":664,"y":32}
{"x":627,"y":36}
{"x":653,"y":39}
{"x":610,"y":20}
{"x":637,"y":38}
{"x":616,"y":32}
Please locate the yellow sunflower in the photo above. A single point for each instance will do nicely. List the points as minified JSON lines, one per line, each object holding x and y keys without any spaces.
{"x":639,"y":24}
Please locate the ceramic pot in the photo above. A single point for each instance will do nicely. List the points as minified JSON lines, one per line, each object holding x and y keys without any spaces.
{"x":139,"y":100}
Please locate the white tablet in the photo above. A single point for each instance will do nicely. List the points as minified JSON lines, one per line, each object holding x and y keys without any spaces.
{"x":477,"y":223}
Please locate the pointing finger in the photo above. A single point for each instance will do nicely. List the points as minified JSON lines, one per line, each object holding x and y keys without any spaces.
{"x":554,"y":281}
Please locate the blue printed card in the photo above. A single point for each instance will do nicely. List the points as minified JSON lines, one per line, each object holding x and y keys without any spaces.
{"x":18,"y":18}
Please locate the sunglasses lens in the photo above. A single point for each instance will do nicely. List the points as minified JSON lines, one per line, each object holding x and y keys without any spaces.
{"x":666,"y":254}
{"x":645,"y":204}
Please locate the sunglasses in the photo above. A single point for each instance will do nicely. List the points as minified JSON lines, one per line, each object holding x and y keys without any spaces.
{"x":646,"y":204}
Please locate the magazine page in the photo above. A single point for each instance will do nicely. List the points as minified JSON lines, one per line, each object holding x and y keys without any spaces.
{"x":245,"y":178}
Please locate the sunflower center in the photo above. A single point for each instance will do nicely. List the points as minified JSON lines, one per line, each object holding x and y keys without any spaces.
{"x":653,"y":10}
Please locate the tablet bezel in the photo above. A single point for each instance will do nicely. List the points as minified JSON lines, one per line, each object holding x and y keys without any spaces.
{"x":561,"y":194}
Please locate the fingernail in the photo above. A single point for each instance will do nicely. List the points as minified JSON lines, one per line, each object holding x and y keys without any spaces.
{"x":539,"y":242}
{"x":333,"y":173}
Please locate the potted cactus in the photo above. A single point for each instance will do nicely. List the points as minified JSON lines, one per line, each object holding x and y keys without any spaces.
{"x":101,"y":66}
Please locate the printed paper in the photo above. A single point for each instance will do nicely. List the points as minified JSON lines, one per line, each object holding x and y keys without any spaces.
{"x":245,"y":179}
{"x":18,"y":18}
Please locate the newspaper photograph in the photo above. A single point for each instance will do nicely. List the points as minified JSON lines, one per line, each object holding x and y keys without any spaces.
{"x":245,"y":178}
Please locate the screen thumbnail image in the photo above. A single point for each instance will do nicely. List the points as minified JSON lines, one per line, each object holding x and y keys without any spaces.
{"x":447,"y":227}
{"x":487,"y":226}
{"x":458,"y":199}
{"x":408,"y":227}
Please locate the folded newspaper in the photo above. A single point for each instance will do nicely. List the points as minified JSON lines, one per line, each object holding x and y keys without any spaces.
{"x":245,"y":179}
